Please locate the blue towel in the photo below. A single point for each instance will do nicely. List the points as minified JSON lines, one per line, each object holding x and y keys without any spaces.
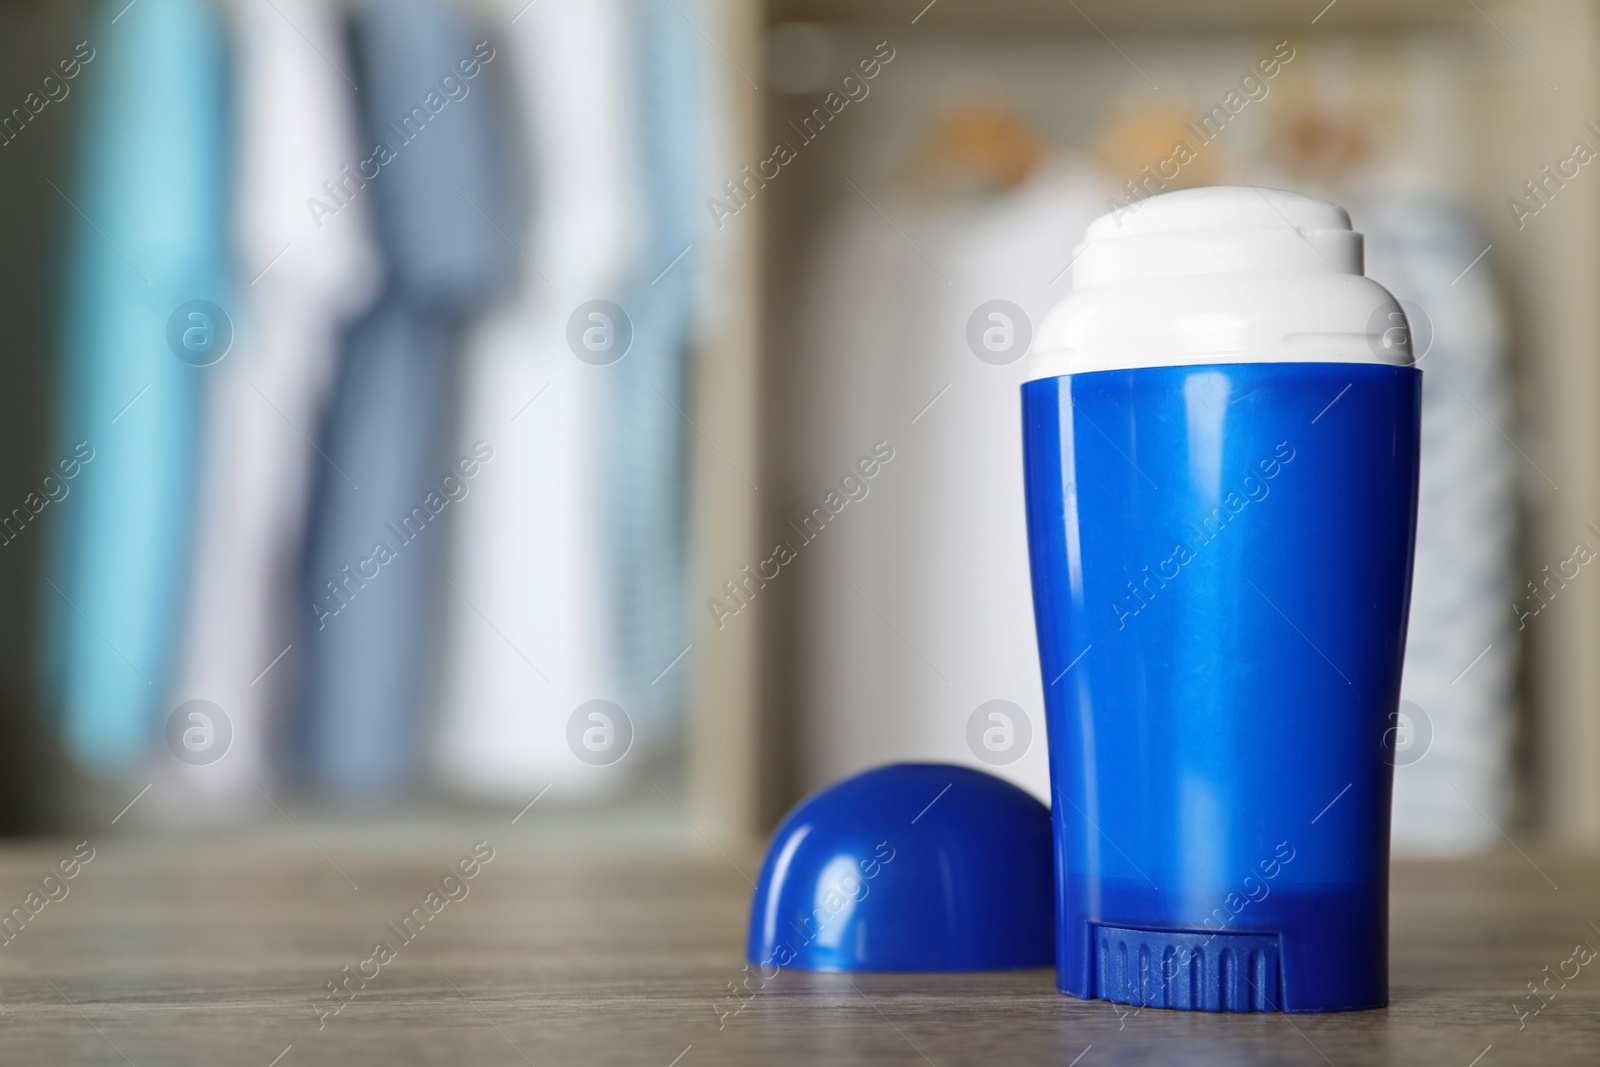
{"x":648,"y":486}
{"x":149,"y":231}
{"x":372,"y":578}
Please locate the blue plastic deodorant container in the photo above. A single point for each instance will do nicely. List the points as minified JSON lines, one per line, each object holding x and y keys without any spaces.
{"x":1221,"y":434}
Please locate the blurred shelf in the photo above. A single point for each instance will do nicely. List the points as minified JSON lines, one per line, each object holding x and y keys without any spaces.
{"x":1147,"y":16}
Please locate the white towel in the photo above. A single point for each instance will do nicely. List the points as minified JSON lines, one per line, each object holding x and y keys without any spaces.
{"x":918,"y":603}
{"x":528,"y":639}
{"x":1452,"y":784}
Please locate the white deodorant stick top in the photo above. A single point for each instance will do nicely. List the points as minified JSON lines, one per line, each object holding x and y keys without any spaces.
{"x":1226,"y":274}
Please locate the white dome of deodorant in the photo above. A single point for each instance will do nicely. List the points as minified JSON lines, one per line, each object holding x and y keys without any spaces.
{"x":1220,"y":275}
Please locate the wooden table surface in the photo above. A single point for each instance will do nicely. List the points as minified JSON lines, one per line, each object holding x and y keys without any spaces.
{"x":217,"y":949}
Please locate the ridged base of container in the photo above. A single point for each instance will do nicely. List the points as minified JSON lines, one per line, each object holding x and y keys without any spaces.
{"x":1186,"y":971}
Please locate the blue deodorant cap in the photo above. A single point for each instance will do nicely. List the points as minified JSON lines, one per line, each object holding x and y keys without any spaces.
{"x":909,"y":867}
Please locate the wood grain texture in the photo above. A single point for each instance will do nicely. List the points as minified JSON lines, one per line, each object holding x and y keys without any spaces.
{"x":213,"y":950}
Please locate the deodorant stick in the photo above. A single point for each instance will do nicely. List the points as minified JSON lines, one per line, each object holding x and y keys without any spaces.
{"x":1221,"y":433}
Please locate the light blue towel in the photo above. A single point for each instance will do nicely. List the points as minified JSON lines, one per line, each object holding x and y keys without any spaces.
{"x":648,"y":487}
{"x":149,"y":232}
{"x":374,"y":611}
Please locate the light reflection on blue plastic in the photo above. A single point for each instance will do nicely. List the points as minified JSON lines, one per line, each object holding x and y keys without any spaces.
{"x":838,"y":879}
{"x":780,"y":875}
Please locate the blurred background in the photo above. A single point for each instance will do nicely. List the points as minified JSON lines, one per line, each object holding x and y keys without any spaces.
{"x":591,"y":409}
